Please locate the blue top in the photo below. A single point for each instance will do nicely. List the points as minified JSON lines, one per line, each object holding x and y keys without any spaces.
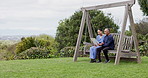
{"x":108,"y":41}
{"x":100,"y":39}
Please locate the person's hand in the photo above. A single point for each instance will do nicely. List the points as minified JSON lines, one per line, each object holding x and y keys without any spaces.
{"x":101,"y":44}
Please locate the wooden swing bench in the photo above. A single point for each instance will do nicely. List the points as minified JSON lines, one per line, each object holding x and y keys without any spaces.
{"x":124,"y":43}
{"x":126,"y":46}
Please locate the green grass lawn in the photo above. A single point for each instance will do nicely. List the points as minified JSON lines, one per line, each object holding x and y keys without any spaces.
{"x":66,"y":68}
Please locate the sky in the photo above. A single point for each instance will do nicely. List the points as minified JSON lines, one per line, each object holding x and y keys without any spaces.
{"x":34,"y":17}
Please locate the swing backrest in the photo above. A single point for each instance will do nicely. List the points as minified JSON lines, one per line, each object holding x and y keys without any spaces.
{"x":127,"y":41}
{"x":126,"y":45}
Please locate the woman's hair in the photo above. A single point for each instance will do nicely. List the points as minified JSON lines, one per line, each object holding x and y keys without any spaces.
{"x":100,"y":29}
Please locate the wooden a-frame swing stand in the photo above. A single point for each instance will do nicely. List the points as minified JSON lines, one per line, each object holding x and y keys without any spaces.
{"x":128,"y":13}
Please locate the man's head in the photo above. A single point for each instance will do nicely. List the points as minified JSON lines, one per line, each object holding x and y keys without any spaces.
{"x":107,"y":31}
{"x":100,"y":32}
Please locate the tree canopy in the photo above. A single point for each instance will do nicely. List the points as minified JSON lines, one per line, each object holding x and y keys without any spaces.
{"x":144,"y":6}
{"x":68,"y":29}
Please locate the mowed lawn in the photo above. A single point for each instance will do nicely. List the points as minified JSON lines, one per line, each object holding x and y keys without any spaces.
{"x":66,"y":68}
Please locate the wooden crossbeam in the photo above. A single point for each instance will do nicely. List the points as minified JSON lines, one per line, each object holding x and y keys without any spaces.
{"x":118,"y":4}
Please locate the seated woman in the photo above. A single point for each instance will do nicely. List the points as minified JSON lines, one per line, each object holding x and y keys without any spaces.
{"x":93,"y":49}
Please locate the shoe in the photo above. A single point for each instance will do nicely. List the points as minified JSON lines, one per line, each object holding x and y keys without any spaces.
{"x":92,"y":60}
{"x":107,"y":61}
{"x":98,"y":61}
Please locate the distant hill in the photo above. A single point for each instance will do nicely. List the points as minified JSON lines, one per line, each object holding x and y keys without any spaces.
{"x":12,"y":37}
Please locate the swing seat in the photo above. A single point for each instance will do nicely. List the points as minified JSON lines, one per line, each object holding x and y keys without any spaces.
{"x":126,"y":48}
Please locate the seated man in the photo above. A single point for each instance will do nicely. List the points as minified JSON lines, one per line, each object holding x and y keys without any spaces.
{"x":99,"y":38}
{"x":108,"y":44}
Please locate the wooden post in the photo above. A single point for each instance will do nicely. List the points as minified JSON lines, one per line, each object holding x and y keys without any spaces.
{"x":121,"y":36}
{"x":80,"y":35}
{"x":89,"y":25}
{"x":134,"y":34}
{"x":89,"y":28}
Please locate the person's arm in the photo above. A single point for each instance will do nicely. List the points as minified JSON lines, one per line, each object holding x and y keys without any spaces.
{"x":102,"y":41}
{"x":109,"y":42}
{"x":98,"y":38}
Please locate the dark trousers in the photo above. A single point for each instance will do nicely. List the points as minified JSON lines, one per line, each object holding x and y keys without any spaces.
{"x":105,"y":51}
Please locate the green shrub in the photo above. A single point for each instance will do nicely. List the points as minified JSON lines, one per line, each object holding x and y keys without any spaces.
{"x":29,"y":42}
{"x":143,"y":47}
{"x":6,"y":55}
{"x":7,"y":49}
{"x":25,"y":44}
{"x":42,"y":46}
{"x":34,"y":53}
{"x":2,"y":54}
{"x":52,"y":44}
{"x":67,"y":52}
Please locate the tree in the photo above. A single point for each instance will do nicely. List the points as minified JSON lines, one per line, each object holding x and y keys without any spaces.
{"x":142,"y":27}
{"x":67,"y":31}
{"x":144,"y":6}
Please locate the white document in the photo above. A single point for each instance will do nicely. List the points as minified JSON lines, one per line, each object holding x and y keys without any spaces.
{"x":94,"y":41}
